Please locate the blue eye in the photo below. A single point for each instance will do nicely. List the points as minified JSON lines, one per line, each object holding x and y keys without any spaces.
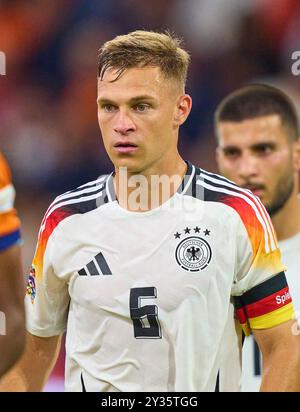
{"x":142,"y":107}
{"x":109,"y":108}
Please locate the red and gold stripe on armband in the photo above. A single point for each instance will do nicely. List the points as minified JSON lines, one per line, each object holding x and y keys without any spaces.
{"x":242,"y":317}
{"x":265,"y":305}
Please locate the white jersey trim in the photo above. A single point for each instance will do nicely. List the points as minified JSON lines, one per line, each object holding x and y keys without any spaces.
{"x":69,"y":202}
{"x":107,"y":186}
{"x":258,"y":203}
{"x":86,"y":187}
{"x":93,"y":182}
{"x":59,"y":200}
{"x":189,"y":181}
{"x":74,"y":194}
{"x":247,"y":200}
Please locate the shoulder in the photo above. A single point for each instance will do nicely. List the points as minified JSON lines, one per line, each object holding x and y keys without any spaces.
{"x":212,"y":187}
{"x":83,"y":199}
{"x":249,"y":210}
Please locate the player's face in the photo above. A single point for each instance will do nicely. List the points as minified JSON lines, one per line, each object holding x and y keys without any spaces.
{"x":139,"y":115}
{"x":257,"y":154}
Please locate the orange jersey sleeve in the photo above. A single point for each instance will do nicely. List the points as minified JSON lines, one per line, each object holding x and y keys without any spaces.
{"x":9,"y":221}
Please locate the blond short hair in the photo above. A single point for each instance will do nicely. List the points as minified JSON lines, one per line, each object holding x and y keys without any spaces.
{"x":145,"y":48}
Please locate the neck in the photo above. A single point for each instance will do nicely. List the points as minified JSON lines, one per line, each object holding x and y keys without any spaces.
{"x":150,"y":188}
{"x":287,"y":220}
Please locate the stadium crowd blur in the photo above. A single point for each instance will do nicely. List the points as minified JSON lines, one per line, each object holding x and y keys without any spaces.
{"x":49,"y":129}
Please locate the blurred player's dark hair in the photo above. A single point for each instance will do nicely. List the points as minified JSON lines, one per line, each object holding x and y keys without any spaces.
{"x":258,"y":100}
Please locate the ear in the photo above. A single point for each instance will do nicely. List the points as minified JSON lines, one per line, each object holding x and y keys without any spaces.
{"x":183,"y":108}
{"x":296,"y":155}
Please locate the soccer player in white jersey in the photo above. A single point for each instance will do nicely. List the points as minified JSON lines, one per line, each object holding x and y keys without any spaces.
{"x":12,"y":314}
{"x":259,"y":149}
{"x":145,"y":288}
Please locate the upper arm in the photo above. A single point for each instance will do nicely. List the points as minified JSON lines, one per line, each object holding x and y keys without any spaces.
{"x":39,"y":358}
{"x":266,"y":305}
{"x":282,"y":336}
{"x":280,"y":347}
{"x":45,"y":349}
{"x":260,"y":289}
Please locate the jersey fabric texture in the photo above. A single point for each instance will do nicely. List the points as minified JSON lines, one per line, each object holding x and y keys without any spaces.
{"x":146,"y":298}
{"x":9,"y":221}
{"x":252,"y":362}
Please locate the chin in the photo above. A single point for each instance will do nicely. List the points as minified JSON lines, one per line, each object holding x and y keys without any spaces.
{"x":131,"y":165}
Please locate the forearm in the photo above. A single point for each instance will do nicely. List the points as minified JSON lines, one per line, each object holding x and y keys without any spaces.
{"x":33,"y":369}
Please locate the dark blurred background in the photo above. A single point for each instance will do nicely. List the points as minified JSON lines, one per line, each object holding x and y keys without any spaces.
{"x":48,"y":121}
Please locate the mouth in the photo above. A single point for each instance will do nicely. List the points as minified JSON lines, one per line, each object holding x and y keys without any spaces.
{"x":257,"y":190}
{"x":125,"y":147}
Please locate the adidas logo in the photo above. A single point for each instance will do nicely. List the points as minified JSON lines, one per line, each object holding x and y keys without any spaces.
{"x":98,"y":266}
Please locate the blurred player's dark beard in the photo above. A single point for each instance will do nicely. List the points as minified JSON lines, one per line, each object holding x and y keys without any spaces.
{"x":283,"y":191}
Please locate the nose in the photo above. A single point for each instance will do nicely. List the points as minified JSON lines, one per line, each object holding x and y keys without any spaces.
{"x":123,"y":123}
{"x":248,"y":167}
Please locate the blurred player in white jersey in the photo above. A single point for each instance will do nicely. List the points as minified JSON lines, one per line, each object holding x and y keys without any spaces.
{"x":259,"y":149}
{"x":141,"y":272}
{"x":12,"y":319}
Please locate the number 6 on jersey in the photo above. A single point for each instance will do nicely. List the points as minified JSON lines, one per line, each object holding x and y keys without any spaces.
{"x":144,"y":318}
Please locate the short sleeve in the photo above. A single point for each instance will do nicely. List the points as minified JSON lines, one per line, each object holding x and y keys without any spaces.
{"x":260,"y":290}
{"x":47,"y":298}
{"x":9,"y":221}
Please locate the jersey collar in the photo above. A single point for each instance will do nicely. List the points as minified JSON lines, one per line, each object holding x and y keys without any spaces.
{"x":186,"y":186}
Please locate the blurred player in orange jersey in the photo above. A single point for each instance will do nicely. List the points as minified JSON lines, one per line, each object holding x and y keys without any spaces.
{"x":11,"y":282}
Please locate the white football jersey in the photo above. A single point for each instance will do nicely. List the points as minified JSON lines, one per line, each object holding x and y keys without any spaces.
{"x":146,"y":297}
{"x":252,"y":360}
